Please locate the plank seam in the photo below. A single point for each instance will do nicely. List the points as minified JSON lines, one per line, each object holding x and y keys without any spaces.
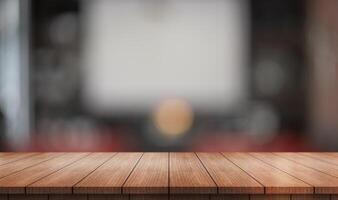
{"x":264,"y":188}
{"x":307,"y":165}
{"x":316,"y":158}
{"x":31,"y":166}
{"x":35,"y":153}
{"x":217,"y":188}
{"x":55,"y":171}
{"x":24,"y":157}
{"x":92,"y":171}
{"x":131,"y":173}
{"x":250,"y":154}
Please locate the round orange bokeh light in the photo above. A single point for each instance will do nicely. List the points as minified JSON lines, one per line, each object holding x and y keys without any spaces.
{"x":173,"y":117}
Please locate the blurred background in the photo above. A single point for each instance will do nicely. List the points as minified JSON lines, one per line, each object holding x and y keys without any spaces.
{"x":169,"y":75}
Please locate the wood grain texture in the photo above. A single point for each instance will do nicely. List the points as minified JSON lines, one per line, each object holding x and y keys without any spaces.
{"x":229,"y":178}
{"x":3,"y":197}
{"x":16,"y":183}
{"x":310,"y":197}
{"x":62,"y":181}
{"x":147,"y":176}
{"x":323,"y":183}
{"x":149,"y":197}
{"x":26,"y":162}
{"x":151,"y":175}
{"x":67,"y":197}
{"x":190,"y":197}
{"x":27,"y":197}
{"x":326,"y":157}
{"x":229,"y":197}
{"x":108,"y":197}
{"x":110,"y":177}
{"x":274,"y":180}
{"x":311,"y":162}
{"x":11,"y":157}
{"x":328,"y":153}
{"x":187,"y":175}
{"x":270,"y":197}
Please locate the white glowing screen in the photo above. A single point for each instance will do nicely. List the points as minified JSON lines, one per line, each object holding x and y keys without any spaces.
{"x":139,"y":52}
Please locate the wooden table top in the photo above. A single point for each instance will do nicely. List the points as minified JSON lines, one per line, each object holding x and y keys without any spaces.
{"x":165,"y":174}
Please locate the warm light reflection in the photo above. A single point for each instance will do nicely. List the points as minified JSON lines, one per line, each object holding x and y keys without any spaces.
{"x":173,"y":117}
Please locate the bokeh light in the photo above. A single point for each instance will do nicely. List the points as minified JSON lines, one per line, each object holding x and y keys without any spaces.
{"x":173,"y":117}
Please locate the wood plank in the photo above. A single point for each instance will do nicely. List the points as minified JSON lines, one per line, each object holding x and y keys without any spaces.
{"x":26,"y":162}
{"x":12,"y":157}
{"x":189,"y":197}
{"x":187,"y":175}
{"x":67,"y":197}
{"x":328,"y":153}
{"x":2,"y":154}
{"x":27,"y":197}
{"x":192,"y":176}
{"x":314,"y":163}
{"x":230,"y":197}
{"x":62,"y":181}
{"x":108,"y":197}
{"x":323,"y":183}
{"x":149,"y":197}
{"x":326,"y":157}
{"x":229,"y":178}
{"x":270,"y":197}
{"x":16,"y":183}
{"x":3,"y":197}
{"x":274,"y":180}
{"x":110,"y":177}
{"x":310,"y":197}
{"x":151,"y":175}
